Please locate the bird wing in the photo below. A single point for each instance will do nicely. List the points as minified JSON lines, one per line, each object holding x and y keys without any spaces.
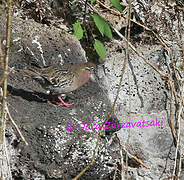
{"x":58,"y":79}
{"x":58,"y":76}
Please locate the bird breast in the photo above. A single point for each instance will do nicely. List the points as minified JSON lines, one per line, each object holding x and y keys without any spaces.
{"x":81,"y":79}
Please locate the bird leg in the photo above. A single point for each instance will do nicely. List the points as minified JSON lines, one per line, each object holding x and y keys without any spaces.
{"x":61,"y":103}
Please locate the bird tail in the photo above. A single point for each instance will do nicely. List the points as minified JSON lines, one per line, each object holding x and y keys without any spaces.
{"x":33,"y":72}
{"x":36,"y":76}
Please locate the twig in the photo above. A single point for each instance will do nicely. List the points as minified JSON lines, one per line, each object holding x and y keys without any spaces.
{"x":127,"y":57}
{"x":13,"y":122}
{"x":1,"y":53}
{"x":167,"y":78}
{"x":3,"y":170}
{"x":129,"y":154}
{"x":122,"y":163}
{"x":4,"y":156}
{"x":159,"y":38}
{"x":100,"y":132}
{"x":134,"y":157}
{"x":107,"y":118}
{"x":178,"y":147}
{"x":8,"y":25}
{"x":110,"y":9}
{"x":171,"y":123}
{"x":8,"y":170}
{"x":5,"y":76}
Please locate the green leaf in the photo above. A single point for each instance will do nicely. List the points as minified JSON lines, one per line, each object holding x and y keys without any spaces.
{"x":116,"y":4}
{"x":78,"y":31}
{"x":108,"y":32}
{"x":92,"y":1}
{"x":102,"y":26}
{"x":100,"y":23}
{"x":100,"y":49}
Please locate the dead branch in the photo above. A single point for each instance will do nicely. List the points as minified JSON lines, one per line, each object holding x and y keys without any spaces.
{"x":3,"y":104}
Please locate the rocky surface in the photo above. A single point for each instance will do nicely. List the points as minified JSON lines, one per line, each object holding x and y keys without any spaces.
{"x":143,"y":97}
{"x":54,"y":150}
{"x":144,"y":94}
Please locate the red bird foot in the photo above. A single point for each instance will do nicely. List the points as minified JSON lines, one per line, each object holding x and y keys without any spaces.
{"x":61,"y":103}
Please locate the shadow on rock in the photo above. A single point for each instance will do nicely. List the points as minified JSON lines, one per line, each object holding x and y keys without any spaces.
{"x":29,"y":96}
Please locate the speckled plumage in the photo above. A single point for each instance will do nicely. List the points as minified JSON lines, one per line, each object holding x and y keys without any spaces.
{"x":63,"y":79}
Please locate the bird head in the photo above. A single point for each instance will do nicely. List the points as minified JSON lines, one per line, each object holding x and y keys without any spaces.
{"x":90,"y":67}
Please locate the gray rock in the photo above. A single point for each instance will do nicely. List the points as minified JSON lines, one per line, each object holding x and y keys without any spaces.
{"x":54,"y":151}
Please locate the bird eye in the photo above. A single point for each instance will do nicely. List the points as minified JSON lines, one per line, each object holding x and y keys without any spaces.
{"x":92,"y":68}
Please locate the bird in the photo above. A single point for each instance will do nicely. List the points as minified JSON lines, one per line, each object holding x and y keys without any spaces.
{"x":62,"y":79}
